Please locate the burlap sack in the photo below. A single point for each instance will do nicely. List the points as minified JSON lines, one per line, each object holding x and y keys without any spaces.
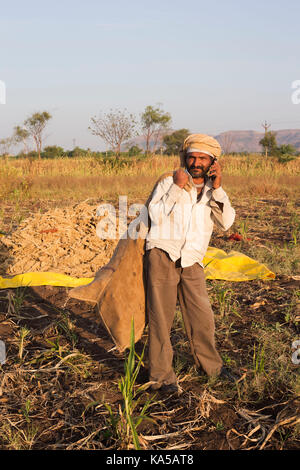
{"x":125,"y":296}
{"x":119,"y":288}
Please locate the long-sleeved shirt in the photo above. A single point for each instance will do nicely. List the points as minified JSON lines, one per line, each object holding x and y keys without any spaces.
{"x":181,"y":225}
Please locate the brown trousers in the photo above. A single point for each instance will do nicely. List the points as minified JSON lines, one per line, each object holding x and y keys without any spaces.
{"x":167,"y":281}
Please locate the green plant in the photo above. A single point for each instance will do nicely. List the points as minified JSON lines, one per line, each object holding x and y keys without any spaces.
{"x":219,"y":426}
{"x":181,"y":361}
{"x":295,"y":229}
{"x":130,"y":400}
{"x":25,"y":410}
{"x":226,"y":359}
{"x":16,"y":300}
{"x":23,"y":333}
{"x":66,"y":326}
{"x":258,"y":359}
{"x":244,"y":227}
{"x":114,"y":421}
{"x":285,"y":158}
{"x":224,"y":297}
{"x":125,"y":425}
{"x":291,"y":311}
{"x":76,"y":362}
{"x":18,"y":439}
{"x":56,"y":347}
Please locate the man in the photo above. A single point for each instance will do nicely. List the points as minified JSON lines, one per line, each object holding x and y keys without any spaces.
{"x":183,"y":210}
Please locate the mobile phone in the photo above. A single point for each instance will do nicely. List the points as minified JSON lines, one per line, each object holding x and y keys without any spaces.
{"x":212,"y":177}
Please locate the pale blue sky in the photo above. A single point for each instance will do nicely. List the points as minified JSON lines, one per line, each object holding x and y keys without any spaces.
{"x":214,"y":65}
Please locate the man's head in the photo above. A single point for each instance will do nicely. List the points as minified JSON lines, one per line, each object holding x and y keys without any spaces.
{"x":203,"y":146}
{"x":198,"y":163}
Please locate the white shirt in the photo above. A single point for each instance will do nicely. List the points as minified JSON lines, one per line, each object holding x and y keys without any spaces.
{"x":181,"y":225}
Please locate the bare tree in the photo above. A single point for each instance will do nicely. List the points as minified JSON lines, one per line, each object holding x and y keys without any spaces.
{"x":115,"y":128}
{"x":227,"y":141}
{"x":35,"y":125}
{"x":5,"y":145}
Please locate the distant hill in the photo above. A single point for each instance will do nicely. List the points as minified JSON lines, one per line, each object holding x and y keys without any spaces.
{"x":239,"y":141}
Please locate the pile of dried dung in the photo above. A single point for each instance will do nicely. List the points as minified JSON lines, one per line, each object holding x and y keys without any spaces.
{"x":61,"y":240}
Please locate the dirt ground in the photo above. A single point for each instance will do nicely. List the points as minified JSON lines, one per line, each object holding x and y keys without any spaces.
{"x":57,"y":382}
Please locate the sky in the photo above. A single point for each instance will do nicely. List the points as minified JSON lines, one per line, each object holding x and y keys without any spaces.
{"x":213,"y":65}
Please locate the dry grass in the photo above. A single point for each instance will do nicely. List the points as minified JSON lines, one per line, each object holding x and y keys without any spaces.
{"x":96,"y":178}
{"x":62,"y":371}
{"x":251,"y":165}
{"x":57,"y":394}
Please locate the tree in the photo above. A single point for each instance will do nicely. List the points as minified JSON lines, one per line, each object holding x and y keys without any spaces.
{"x":35,"y":125}
{"x":53,"y":151}
{"x":154,"y":121}
{"x":6,"y":144}
{"x":269,"y":144}
{"x":78,"y":152}
{"x":286,"y":149}
{"x":115,"y":128}
{"x":134,"y":150}
{"x":21,"y":135}
{"x":285,"y":153}
{"x":226,"y":142}
{"x":266,"y":126}
{"x":174,"y":141}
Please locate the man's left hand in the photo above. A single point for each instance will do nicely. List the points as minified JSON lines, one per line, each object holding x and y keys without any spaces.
{"x":215,"y":170}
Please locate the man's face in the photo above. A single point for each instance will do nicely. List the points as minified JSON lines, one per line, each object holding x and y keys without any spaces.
{"x":198,"y":163}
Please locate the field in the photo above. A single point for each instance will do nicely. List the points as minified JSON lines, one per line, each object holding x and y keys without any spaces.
{"x":60,"y":385}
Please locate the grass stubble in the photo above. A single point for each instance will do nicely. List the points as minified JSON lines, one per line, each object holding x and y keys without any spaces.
{"x":55,"y":392}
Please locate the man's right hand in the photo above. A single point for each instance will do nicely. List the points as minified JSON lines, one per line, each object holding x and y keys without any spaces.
{"x":180,"y":177}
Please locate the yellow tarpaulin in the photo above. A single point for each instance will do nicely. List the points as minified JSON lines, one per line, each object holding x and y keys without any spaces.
{"x":42,"y":279}
{"x":233,"y":266}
